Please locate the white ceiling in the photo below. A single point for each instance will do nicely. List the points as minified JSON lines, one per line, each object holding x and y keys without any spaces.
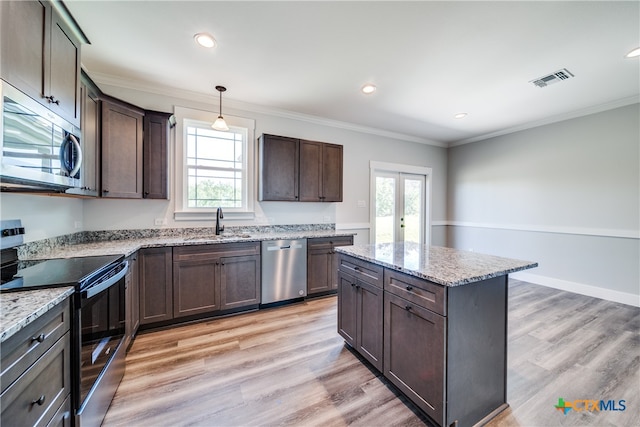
{"x":429,"y":60}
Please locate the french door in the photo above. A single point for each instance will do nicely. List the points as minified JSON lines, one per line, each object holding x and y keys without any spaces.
{"x":399,"y":207}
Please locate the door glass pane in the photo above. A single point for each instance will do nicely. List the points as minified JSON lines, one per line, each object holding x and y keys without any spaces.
{"x":385,"y":209}
{"x":411,"y":221}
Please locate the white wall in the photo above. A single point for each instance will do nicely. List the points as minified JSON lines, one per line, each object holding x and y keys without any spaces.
{"x":359,"y":149}
{"x":566,"y":195}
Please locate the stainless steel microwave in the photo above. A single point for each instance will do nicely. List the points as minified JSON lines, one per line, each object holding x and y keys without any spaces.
{"x":39,"y":151}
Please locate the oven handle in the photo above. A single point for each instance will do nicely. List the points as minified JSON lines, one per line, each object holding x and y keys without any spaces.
{"x":94,"y":290}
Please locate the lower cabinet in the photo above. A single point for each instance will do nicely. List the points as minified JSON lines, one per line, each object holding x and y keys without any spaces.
{"x":36,"y":365}
{"x":132,"y":300}
{"x":414,"y":353}
{"x":211,"y":278}
{"x":322,"y":263}
{"x":156,"y":290}
{"x":444,"y":347}
{"x":360,"y":317}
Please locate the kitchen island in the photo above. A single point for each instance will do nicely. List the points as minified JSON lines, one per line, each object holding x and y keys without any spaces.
{"x":433,"y":320}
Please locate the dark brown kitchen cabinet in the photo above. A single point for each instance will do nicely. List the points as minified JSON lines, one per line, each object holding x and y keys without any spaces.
{"x":121,"y":140}
{"x":297,"y":170}
{"x":278,"y":165}
{"x":90,"y":140}
{"x":132,"y":301}
{"x":41,"y":55}
{"x":414,"y":353}
{"x":320,"y":172}
{"x":156,"y":285}
{"x":212,"y":278}
{"x":196,"y":287}
{"x":155,"y":145}
{"x":360,"y":317}
{"x":36,"y":371}
{"x":322,"y":263}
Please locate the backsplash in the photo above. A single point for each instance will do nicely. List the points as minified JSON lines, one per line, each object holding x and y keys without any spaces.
{"x":29,"y":250}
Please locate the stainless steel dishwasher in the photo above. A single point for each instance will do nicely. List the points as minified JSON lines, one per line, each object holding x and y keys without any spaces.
{"x":284,"y":270}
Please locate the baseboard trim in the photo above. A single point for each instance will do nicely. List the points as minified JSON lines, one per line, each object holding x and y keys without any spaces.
{"x":580,"y":288}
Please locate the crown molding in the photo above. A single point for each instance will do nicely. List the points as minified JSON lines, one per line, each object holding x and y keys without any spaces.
{"x":553,"y":119}
{"x":110,"y":80}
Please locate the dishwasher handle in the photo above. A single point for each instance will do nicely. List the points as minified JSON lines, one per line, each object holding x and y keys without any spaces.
{"x":289,"y":246}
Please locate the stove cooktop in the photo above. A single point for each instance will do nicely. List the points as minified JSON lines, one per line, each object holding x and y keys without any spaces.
{"x":32,"y":275}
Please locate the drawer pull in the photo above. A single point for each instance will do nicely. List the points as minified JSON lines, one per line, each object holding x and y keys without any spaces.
{"x":39,"y":338}
{"x":409,"y":287}
{"x":39,"y":401}
{"x":407,"y":307}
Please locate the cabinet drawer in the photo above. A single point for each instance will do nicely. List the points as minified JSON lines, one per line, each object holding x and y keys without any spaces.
{"x":419,"y":291}
{"x":62,"y":418}
{"x":213,"y":251}
{"x":329,"y":242}
{"x":25,"y":347}
{"x":362,"y":270}
{"x":35,"y":397}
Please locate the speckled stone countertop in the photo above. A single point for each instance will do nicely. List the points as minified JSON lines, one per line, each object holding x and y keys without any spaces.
{"x":128,"y":246}
{"x":445,"y":266}
{"x":18,"y":309}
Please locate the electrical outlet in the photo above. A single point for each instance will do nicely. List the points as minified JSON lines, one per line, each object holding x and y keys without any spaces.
{"x":326,"y":218}
{"x":77,"y":225}
{"x":362,"y":203}
{"x":160,"y":221}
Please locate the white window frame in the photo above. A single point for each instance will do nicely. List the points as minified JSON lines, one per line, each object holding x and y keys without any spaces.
{"x":182,"y":210}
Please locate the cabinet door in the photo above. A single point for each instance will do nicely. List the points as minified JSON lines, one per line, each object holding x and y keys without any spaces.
{"x":90,"y":126}
{"x":239,"y":281}
{"x":156,"y":290}
{"x":369,"y":323}
{"x":311,"y":171}
{"x":414,"y":353}
{"x":156,"y":130}
{"x":319,"y":263}
{"x":347,"y":303}
{"x":279,"y":158}
{"x":331,"y":173}
{"x":64,"y":64}
{"x":121,"y":151}
{"x":25,"y":45}
{"x":195,"y":287}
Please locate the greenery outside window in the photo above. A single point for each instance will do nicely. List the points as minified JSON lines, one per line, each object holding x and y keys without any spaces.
{"x":214,"y":168}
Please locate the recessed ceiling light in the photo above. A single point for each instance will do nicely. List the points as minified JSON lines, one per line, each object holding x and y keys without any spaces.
{"x":205,"y":39}
{"x":460,"y":116}
{"x":634,"y":53}
{"x":368,"y":88}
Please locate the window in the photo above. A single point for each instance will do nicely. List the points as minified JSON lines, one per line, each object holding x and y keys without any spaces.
{"x":213,"y":168}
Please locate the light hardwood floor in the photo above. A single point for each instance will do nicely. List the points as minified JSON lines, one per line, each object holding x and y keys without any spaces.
{"x":288,"y":366}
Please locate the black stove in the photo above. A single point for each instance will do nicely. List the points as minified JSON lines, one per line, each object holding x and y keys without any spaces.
{"x":42,"y":274}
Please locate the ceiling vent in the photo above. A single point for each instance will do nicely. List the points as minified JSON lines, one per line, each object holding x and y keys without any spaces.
{"x":552,"y":78}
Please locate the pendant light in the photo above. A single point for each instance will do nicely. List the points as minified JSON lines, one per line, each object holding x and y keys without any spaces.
{"x":220,"y":124}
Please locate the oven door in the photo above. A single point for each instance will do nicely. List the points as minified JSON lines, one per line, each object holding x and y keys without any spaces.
{"x":100,"y":328}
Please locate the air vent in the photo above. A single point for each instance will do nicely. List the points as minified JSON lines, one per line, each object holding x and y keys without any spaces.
{"x":552,"y":78}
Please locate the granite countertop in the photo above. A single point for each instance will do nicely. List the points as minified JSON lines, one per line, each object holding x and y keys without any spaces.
{"x":445,"y":266}
{"x":128,"y":246}
{"x":18,"y":309}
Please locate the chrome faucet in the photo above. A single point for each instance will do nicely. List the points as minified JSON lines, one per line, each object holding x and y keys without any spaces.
{"x":219,"y":216}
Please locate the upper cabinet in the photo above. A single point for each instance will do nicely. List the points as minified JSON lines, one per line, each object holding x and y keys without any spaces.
{"x":278,"y":165}
{"x":320,"y":172}
{"x":121,"y":139}
{"x":154,"y":155}
{"x":41,"y":55}
{"x":90,"y":140}
{"x":298,"y":170}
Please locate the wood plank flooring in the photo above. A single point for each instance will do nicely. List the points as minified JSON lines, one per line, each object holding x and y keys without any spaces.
{"x":288,"y":366}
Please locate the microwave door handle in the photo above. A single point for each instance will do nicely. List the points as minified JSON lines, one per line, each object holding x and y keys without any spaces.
{"x":76,"y":144}
{"x":107,"y":283}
